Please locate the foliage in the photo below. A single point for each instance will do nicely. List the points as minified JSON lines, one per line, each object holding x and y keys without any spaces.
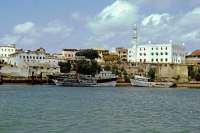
{"x":152,"y":72}
{"x":125,"y":72}
{"x":195,"y":74}
{"x":88,"y":53}
{"x":110,"y":58}
{"x":107,"y":67}
{"x":88,"y":67}
{"x":65,"y":67}
{"x":115,"y":69}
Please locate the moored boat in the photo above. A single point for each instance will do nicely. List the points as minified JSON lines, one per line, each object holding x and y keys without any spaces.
{"x":73,"y":82}
{"x":106,"y":78}
{"x":141,"y":81}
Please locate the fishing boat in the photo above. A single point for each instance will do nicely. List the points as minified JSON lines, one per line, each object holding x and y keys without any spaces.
{"x":141,"y":81}
{"x":73,"y":82}
{"x":106,"y":78}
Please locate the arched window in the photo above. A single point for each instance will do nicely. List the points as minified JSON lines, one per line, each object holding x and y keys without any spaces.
{"x":161,"y":53}
{"x":152,"y":53}
{"x":156,"y":53}
{"x":144,"y":54}
{"x":166,"y":53}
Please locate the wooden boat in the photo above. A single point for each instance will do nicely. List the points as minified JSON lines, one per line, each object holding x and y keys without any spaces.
{"x":74,"y":82}
{"x":144,"y":82}
{"x":106,"y":78}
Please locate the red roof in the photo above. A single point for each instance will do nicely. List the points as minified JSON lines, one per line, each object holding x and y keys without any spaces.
{"x":196,"y":52}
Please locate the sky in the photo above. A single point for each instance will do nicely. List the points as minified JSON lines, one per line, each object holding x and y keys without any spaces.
{"x":84,"y":24}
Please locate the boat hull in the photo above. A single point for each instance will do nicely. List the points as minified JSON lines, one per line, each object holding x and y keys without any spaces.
{"x":79,"y":84}
{"x":151,"y":84}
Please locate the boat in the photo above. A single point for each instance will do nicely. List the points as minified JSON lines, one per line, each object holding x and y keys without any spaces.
{"x":106,"y":78}
{"x":141,"y":81}
{"x":73,"y":82}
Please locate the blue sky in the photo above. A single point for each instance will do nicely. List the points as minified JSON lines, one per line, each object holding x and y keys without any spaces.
{"x":57,"y":24}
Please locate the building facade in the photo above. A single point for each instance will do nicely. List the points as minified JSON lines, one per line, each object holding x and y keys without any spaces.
{"x":5,"y":52}
{"x":122,"y":53}
{"x":156,"y":53}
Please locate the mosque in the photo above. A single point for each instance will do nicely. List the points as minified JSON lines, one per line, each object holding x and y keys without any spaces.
{"x":156,"y":53}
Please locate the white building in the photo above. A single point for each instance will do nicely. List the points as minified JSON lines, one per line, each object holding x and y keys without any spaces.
{"x":156,"y":53}
{"x":5,"y":52}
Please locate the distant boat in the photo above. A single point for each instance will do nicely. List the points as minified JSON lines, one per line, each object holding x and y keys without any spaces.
{"x":141,"y":81}
{"x":74,"y":82}
{"x":106,"y":78}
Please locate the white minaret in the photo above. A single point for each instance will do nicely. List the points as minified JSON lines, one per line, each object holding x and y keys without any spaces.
{"x":135,"y":36}
{"x":135,"y":43}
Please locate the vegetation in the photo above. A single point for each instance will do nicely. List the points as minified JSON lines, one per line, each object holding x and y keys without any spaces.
{"x":115,"y":69}
{"x":88,"y":67}
{"x":151,"y":73}
{"x":110,"y":58}
{"x":65,"y":67}
{"x":177,"y":77}
{"x":88,"y":53}
{"x":107,"y":67}
{"x":195,"y":74}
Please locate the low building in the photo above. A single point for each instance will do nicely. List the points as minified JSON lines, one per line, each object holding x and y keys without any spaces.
{"x":122,"y":53}
{"x":193,"y":58}
{"x":6,"y":51}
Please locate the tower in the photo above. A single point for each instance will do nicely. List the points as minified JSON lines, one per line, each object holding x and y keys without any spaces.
{"x":135,"y":36}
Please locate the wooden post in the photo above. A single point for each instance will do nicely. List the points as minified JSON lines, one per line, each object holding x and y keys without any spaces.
{"x":1,"y":82}
{"x":41,"y":78}
{"x":32,"y":78}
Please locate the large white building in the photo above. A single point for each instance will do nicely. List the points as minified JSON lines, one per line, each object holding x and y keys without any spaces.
{"x":5,"y":52}
{"x":156,"y":53}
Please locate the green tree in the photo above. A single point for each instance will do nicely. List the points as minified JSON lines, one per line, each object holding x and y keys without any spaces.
{"x":88,"y":53}
{"x":115,"y":69}
{"x":195,"y":74}
{"x":88,"y":67}
{"x":107,"y":67}
{"x":65,"y":67}
{"x":151,"y":73}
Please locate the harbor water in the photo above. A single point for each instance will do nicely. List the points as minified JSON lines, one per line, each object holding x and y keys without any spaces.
{"x":55,"y":109}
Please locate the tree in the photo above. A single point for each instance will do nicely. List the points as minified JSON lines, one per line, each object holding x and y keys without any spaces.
{"x":107,"y":67}
{"x":151,"y":73}
{"x":195,"y":74}
{"x":88,"y":53}
{"x":65,"y":67}
{"x":115,"y":69}
{"x":88,"y":67}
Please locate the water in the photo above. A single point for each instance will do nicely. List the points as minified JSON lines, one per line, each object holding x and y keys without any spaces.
{"x":50,"y":109}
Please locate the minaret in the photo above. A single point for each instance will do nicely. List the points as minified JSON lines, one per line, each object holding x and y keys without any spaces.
{"x":135,"y":43}
{"x":135,"y":36}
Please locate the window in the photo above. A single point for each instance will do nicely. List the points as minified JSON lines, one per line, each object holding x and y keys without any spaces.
{"x":165,"y":59}
{"x":166,"y":48}
{"x":27,"y":57}
{"x":161,"y":53}
{"x":157,"y":59}
{"x":156,"y":53}
{"x":140,"y":60}
{"x":152,"y":48}
{"x":144,"y":49}
{"x":152,"y":60}
{"x":140,"y":49}
{"x":156,"y":48}
{"x":43,"y":57}
{"x":20,"y":56}
{"x":161,"y":48}
{"x":144,"y":54}
{"x":140,"y":54}
{"x":40,"y":57}
{"x":24,"y":57}
{"x":161,"y":59}
{"x":152,"y":53}
{"x":166,"y":53}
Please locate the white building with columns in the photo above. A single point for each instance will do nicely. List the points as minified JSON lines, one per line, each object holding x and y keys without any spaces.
{"x":156,"y":53}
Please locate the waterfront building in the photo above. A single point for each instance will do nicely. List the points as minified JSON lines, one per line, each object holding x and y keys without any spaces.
{"x":193,"y":58}
{"x":122,"y":53}
{"x":5,"y":52}
{"x":156,"y":53}
{"x":102,"y":52}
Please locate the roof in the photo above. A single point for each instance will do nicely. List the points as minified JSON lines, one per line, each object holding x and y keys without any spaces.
{"x":121,"y":50}
{"x":113,"y":53}
{"x":196,"y":52}
{"x":46,"y":64}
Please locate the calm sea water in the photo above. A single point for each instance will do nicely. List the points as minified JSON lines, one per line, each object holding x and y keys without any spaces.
{"x":54,"y":109}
